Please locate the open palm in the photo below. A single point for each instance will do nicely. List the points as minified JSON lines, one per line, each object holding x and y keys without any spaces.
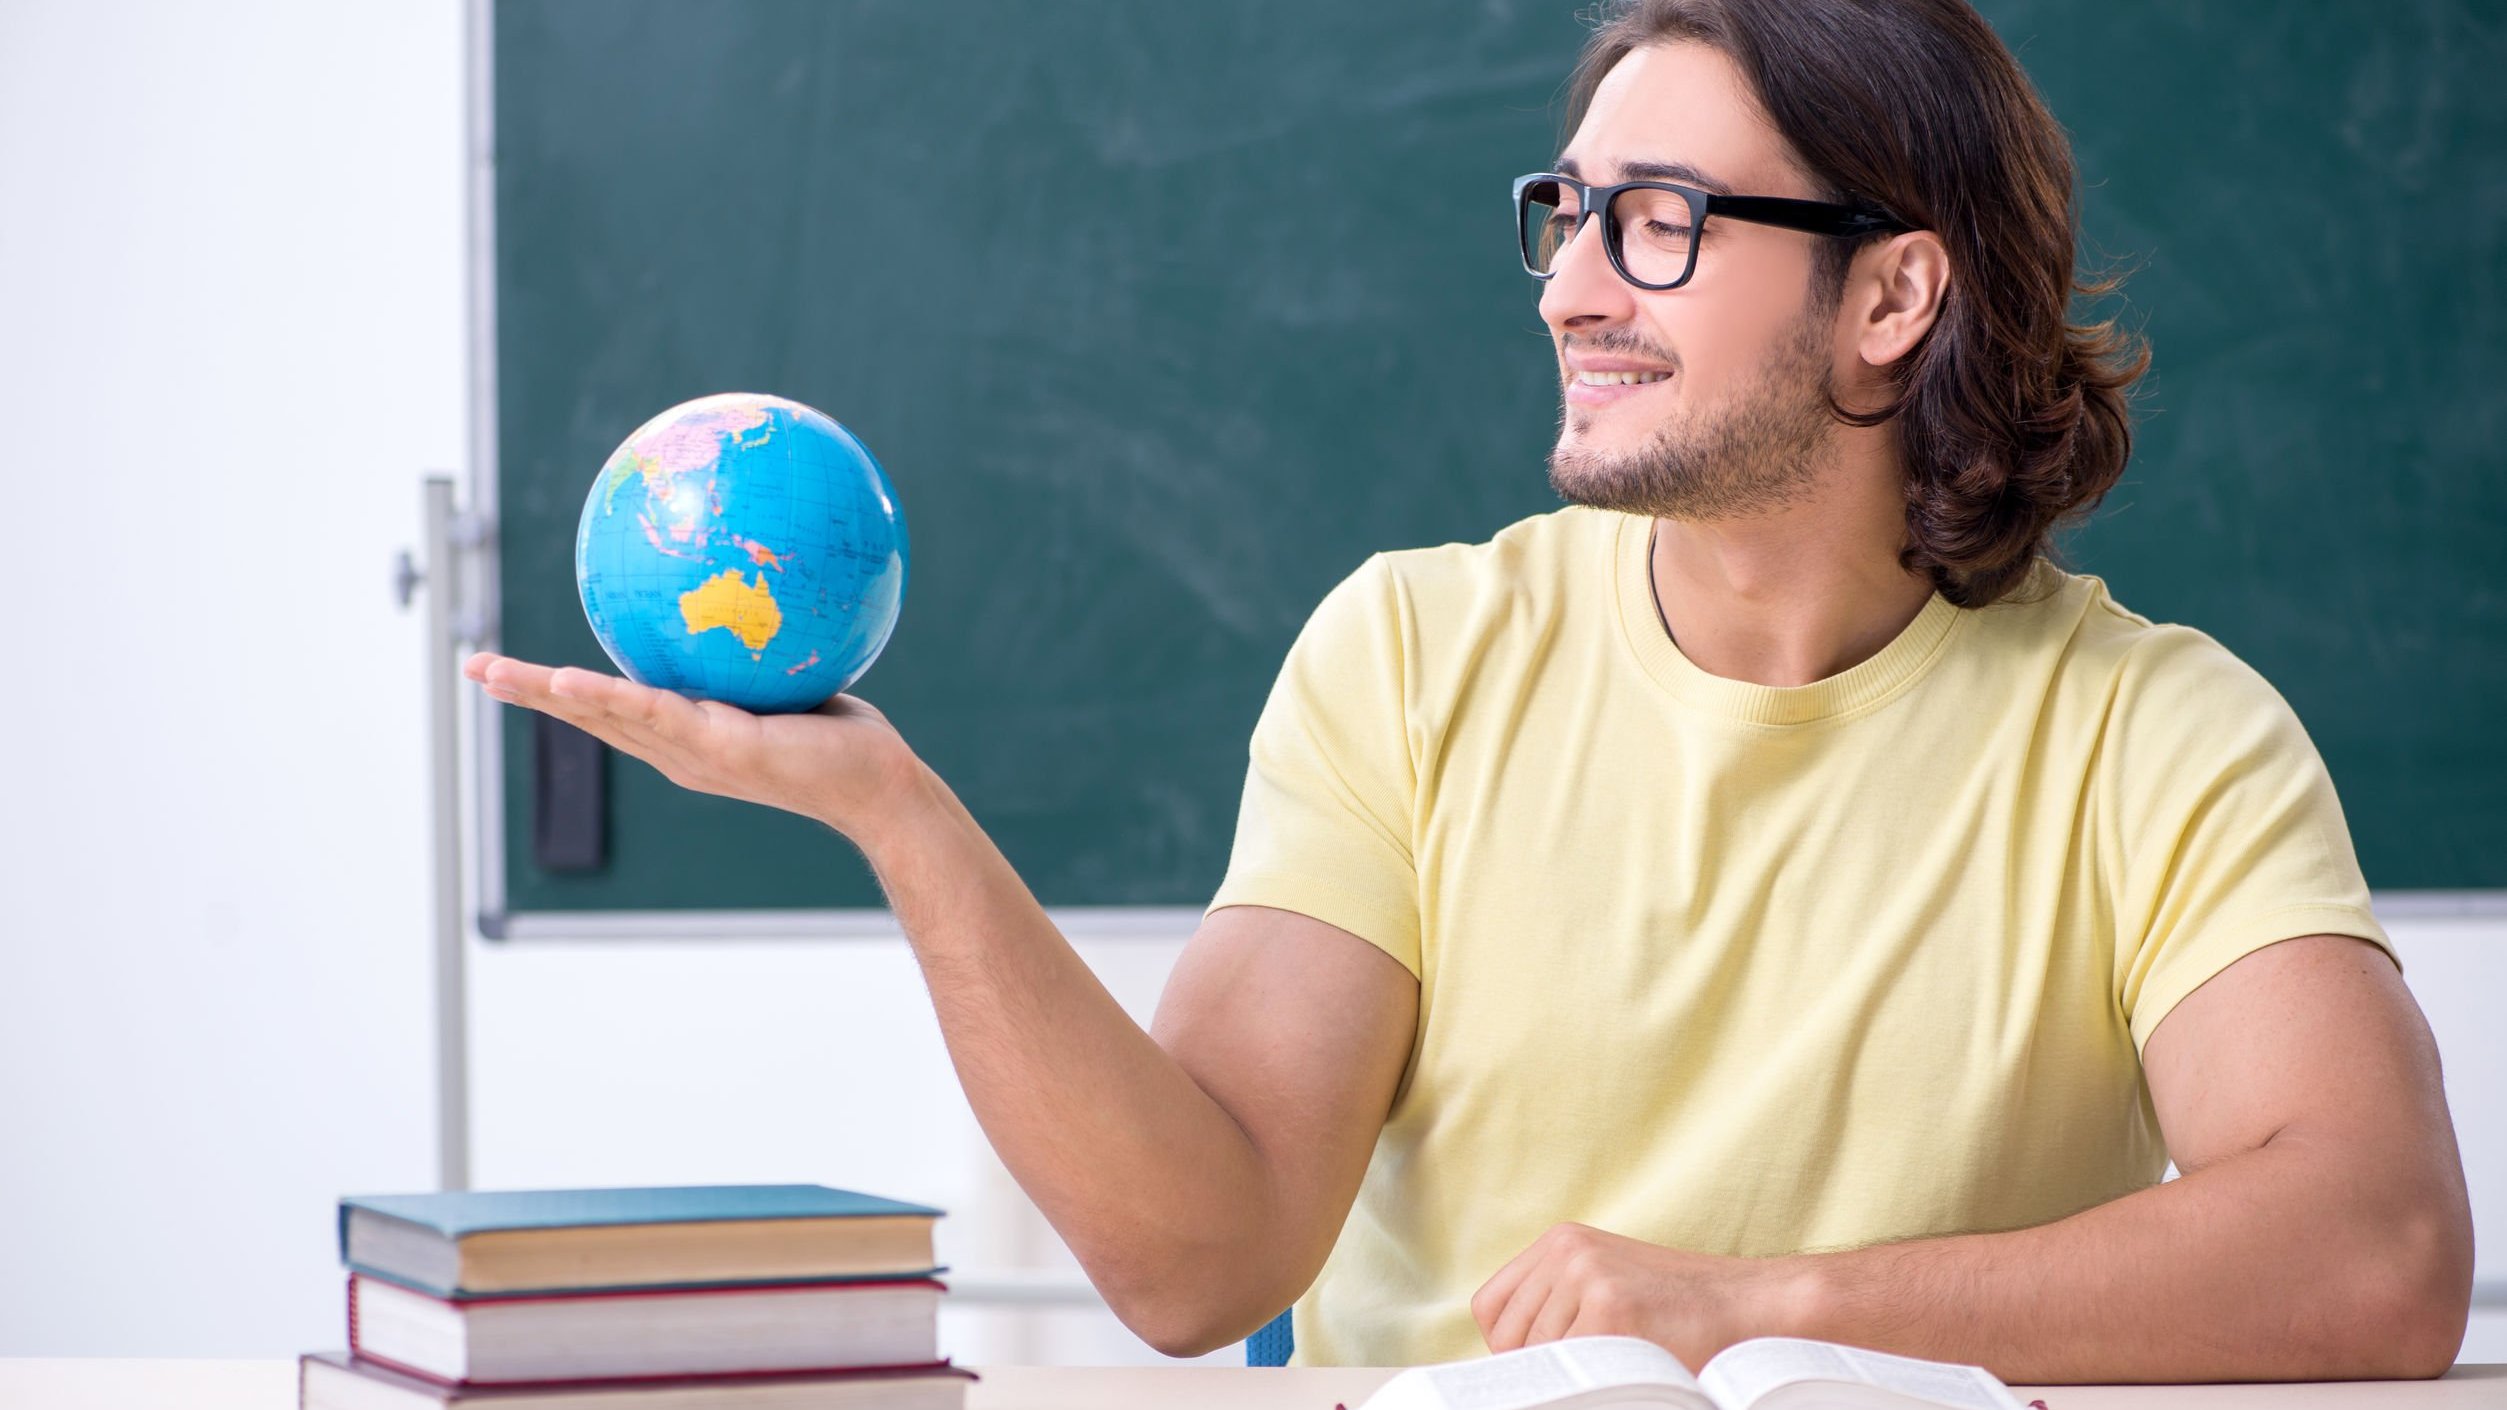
{"x":842,"y":763}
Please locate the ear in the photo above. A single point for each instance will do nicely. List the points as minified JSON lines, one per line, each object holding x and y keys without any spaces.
{"x":1896,"y":289}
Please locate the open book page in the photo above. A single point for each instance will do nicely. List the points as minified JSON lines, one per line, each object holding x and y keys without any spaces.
{"x":1747,"y":1370}
{"x":1582,"y":1371}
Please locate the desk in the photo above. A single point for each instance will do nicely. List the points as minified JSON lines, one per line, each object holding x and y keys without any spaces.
{"x":97,"y":1384}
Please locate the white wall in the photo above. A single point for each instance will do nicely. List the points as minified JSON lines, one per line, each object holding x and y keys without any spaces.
{"x":230,"y":343}
{"x":230,"y":336}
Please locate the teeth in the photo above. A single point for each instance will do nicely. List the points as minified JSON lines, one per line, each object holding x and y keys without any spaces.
{"x":1620,"y":379}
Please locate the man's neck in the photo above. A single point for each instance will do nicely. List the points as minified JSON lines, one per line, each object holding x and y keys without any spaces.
{"x":1788,"y":598}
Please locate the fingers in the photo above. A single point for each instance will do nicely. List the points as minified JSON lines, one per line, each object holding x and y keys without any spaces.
{"x":1494,"y":1305}
{"x":522,"y":683}
{"x":509,"y":679}
{"x":665,"y":714}
{"x":1513,"y":1326}
{"x":707,"y":746}
{"x":575,"y":696}
{"x":1557,"y":1316}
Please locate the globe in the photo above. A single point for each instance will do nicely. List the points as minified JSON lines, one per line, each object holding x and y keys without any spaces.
{"x":742,"y":548}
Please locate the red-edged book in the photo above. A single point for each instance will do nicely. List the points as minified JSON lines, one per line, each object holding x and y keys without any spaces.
{"x":327,"y":1380}
{"x":647,"y":1334}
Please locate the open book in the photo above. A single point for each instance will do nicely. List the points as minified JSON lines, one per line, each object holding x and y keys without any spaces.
{"x":1763,"y":1373}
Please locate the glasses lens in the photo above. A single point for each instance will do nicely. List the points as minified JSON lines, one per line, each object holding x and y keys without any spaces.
{"x":1549,"y":216}
{"x":1656,"y":234}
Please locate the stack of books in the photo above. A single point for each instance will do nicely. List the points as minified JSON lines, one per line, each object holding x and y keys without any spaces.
{"x":748,"y":1297}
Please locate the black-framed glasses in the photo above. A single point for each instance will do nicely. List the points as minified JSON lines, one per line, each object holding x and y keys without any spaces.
{"x":1651,"y":229}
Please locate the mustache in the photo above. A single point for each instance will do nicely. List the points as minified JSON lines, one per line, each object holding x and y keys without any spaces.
{"x":1617,"y":342}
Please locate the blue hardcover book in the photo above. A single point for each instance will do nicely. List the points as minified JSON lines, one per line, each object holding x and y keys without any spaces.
{"x":487,"y":1243}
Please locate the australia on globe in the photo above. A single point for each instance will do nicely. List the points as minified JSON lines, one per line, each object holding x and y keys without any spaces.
{"x":742,"y":548}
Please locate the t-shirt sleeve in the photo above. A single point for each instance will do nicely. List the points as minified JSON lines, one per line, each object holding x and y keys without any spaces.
{"x":2226,"y":827}
{"x":1325,"y":827}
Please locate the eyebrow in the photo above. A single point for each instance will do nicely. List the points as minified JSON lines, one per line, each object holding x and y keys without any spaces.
{"x":1652,"y":171}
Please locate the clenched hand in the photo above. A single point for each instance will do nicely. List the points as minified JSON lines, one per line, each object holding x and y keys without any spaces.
{"x":1576,"y":1280}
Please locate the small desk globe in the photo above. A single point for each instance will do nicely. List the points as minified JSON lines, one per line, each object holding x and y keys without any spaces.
{"x":742,"y":548}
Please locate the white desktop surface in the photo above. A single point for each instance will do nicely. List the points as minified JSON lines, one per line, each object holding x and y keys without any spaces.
{"x":106,"y":1384}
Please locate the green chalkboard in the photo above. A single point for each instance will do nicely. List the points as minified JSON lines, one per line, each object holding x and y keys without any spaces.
{"x":1162,"y":317}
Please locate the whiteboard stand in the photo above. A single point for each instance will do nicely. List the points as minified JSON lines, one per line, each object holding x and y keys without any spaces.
{"x":453,"y":543}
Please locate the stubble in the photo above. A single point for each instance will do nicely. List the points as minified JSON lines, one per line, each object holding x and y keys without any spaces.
{"x":1760,"y":455}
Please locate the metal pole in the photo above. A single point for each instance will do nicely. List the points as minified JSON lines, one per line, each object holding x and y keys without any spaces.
{"x":441,"y":576}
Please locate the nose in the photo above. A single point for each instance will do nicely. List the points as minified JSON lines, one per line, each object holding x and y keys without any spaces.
{"x":1582,"y":289}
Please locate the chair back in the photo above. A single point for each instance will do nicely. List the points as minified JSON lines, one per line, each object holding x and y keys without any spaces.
{"x":1271,"y":1345}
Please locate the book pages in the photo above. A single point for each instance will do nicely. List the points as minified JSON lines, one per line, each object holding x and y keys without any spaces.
{"x":1747,"y":1370}
{"x":1537,"y":1375}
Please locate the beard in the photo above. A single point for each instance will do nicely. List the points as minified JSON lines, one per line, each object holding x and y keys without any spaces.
{"x":1760,"y":455}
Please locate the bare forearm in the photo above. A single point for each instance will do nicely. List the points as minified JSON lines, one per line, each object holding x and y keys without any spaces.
{"x":1146,"y":1177}
{"x":2266,"y":1265}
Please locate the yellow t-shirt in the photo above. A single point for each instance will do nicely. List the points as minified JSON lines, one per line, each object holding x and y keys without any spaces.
{"x":1747,"y":969}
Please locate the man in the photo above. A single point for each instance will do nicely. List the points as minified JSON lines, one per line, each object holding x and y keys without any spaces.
{"x":1765,"y":896}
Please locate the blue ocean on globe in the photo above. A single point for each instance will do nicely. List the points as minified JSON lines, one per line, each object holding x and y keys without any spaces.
{"x":742,"y":548}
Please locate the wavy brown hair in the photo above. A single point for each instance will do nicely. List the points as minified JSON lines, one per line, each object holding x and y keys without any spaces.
{"x":2013,"y":419}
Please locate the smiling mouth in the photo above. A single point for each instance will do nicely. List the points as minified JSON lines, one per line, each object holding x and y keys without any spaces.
{"x":1619,"y":379}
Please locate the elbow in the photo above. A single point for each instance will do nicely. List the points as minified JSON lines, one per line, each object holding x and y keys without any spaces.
{"x":1196,"y":1310}
{"x":1167,"y":1329}
{"x":1179,"y":1329}
{"x":1188,"y":1341}
{"x":2419,"y":1340}
{"x":2415,"y":1327}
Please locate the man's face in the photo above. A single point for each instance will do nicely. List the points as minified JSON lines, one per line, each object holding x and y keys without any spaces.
{"x":1741,"y":426}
